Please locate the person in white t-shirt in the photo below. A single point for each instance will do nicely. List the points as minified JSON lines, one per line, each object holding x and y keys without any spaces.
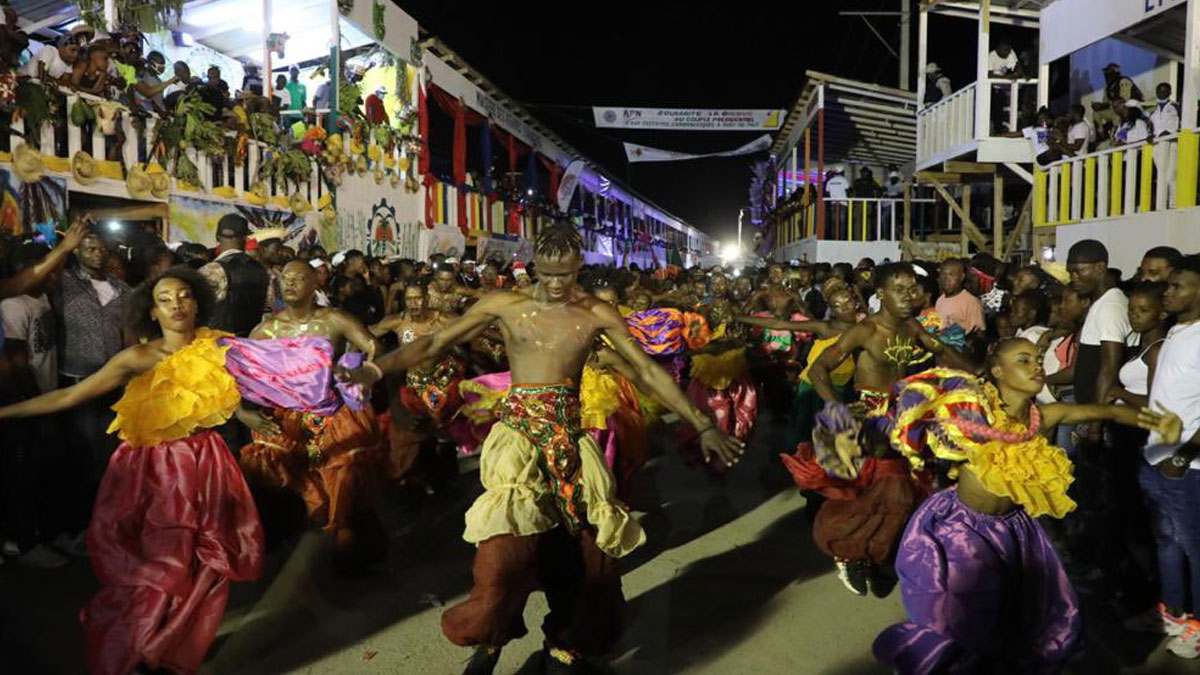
{"x":1002,"y":61}
{"x":837,"y":188}
{"x":29,"y":326}
{"x":1080,"y":134}
{"x":1170,"y":476}
{"x":53,"y":62}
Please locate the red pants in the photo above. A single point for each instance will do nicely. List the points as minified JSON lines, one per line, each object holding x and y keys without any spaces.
{"x":582,"y":586}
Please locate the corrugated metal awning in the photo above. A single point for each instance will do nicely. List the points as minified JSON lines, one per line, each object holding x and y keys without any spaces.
{"x":864,"y":122}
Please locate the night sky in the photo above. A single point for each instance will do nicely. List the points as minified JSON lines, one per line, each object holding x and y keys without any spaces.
{"x":561,"y":58}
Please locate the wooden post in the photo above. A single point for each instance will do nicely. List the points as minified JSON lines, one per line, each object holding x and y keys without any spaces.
{"x":821,"y":173}
{"x":998,"y":215}
{"x":907,"y":211}
{"x":966,"y":207}
{"x":808,"y":188}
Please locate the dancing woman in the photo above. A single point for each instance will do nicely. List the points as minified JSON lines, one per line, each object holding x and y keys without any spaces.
{"x":173,"y":522}
{"x":982,"y":585}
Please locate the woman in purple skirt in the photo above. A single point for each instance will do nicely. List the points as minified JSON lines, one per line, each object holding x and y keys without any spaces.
{"x":983,"y":587}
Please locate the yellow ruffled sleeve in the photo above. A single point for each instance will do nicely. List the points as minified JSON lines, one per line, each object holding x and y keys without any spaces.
{"x":188,"y":390}
{"x":1034,"y":474}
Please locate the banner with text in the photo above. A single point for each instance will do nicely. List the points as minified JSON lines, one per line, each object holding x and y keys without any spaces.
{"x":643,"y":153}
{"x":687,"y":119}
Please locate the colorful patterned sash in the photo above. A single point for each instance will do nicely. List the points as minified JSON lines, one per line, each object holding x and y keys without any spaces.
{"x":549,"y":416}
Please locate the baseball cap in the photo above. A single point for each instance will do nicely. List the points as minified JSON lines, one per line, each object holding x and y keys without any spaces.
{"x":232,"y":225}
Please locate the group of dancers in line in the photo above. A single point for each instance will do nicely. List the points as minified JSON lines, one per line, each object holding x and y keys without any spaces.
{"x":936,"y":468}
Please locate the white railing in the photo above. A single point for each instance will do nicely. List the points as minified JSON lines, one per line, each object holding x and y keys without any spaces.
{"x":1009,"y":92}
{"x":851,"y":219}
{"x":947,"y":124}
{"x":945,"y":128}
{"x":1121,"y":181}
{"x":214,"y":172}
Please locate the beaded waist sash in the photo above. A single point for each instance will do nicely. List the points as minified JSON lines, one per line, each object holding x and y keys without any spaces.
{"x":549,"y":416}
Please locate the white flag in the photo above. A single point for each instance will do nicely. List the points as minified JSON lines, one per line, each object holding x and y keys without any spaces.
{"x":643,"y":153}
{"x":566,"y":186}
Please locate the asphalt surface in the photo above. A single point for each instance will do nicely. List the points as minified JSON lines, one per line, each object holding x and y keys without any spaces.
{"x":729,"y":582}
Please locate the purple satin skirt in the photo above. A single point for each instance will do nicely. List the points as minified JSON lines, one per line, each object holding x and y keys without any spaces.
{"x":984,"y":594}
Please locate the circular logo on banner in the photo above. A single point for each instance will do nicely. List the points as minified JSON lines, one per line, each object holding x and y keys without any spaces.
{"x":610,"y":116}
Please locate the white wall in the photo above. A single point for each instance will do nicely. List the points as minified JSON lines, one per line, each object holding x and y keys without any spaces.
{"x":1129,"y":237}
{"x":813,"y":251}
{"x":1068,"y":25}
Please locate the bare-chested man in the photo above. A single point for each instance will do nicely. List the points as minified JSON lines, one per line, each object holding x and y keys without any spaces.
{"x":861,"y":533}
{"x":548,"y":516}
{"x":446,"y":295}
{"x":885,"y":343}
{"x":310,"y":440}
{"x":430,"y":390}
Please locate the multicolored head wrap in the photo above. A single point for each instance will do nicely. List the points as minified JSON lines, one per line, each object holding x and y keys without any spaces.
{"x":665,"y":331}
{"x":954,"y":416}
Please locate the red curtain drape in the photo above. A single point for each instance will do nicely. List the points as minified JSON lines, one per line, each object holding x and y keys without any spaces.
{"x":463,"y":116}
{"x":423,"y":129}
{"x":555,"y":175}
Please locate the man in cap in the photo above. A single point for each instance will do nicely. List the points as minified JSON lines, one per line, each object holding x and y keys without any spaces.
{"x":239,"y":282}
{"x":1117,"y":87}
{"x":1106,"y":479}
{"x":937,"y":85}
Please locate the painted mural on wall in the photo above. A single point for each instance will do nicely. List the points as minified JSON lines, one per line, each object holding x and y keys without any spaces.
{"x":195,"y":219}
{"x":32,"y":208}
{"x":376,"y":218}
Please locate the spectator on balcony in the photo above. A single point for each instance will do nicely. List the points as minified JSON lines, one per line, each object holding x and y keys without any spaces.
{"x":83,"y":34}
{"x":1040,"y":136}
{"x":53,"y":62}
{"x":298,"y":94}
{"x":1080,"y":134}
{"x":150,"y":87}
{"x":252,"y":81}
{"x":1134,"y":128}
{"x":865,"y":187}
{"x":1117,"y":88}
{"x":837,"y":191}
{"x":1002,"y":61}
{"x":282,"y":98}
{"x":1164,"y":120}
{"x":90,"y":73}
{"x":215,"y":92}
{"x":937,"y":85}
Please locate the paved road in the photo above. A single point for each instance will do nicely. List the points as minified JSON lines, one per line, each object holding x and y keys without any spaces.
{"x":728,"y":583}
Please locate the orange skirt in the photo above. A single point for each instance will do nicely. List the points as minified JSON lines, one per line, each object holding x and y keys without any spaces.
{"x":331,"y":462}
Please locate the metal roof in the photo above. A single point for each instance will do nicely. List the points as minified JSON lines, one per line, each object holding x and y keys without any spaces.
{"x":1163,"y":34}
{"x":863,"y":122}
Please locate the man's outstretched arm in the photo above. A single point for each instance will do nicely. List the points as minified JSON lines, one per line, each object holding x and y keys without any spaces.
{"x":431,"y":346}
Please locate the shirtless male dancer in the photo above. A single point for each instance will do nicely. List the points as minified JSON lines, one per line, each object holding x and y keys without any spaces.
{"x":548,"y":517}
{"x":861,"y":532}
{"x":329,"y":456}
